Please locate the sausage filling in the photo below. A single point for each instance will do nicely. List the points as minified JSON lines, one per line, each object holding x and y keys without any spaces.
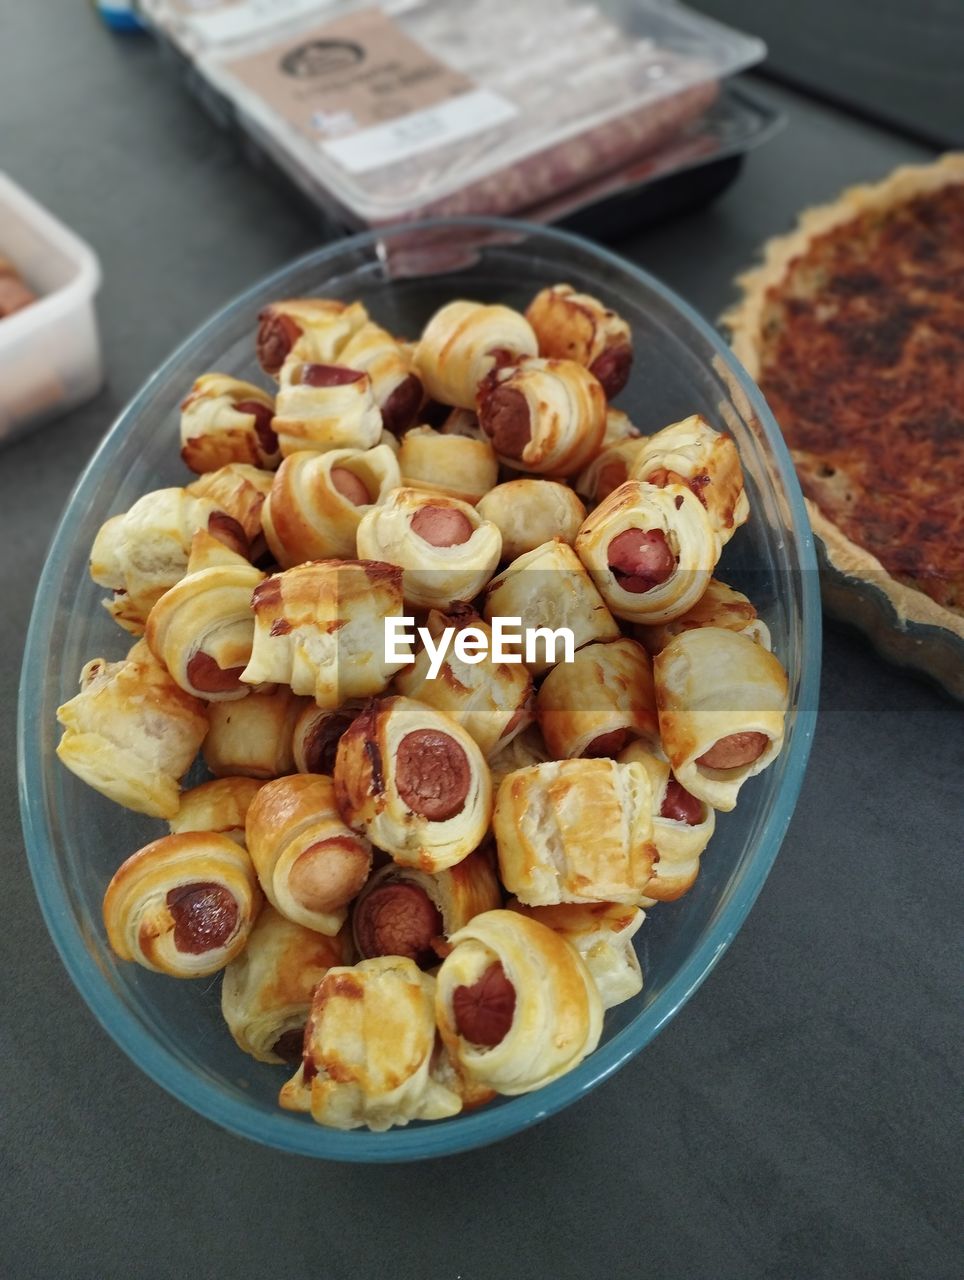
{"x":321,"y":742}
{"x":350,"y":486}
{"x":640,"y":559}
{"x":329,"y":874}
{"x":504,"y":417}
{"x":277,"y":334}
{"x":227,"y":530}
{"x":289,"y":1045}
{"x":206,"y":676}
{"x":325,"y":375}
{"x":263,"y":417}
{"x":432,"y":774}
{"x":442,"y":526}
{"x":607,"y":744}
{"x":483,"y":1012}
{"x":679,"y":806}
{"x":205,"y":917}
{"x":735,"y":751}
{"x":398,"y":919}
{"x":612,"y":367}
{"x":399,"y":410}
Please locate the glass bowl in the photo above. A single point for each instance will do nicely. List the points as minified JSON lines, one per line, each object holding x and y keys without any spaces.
{"x":76,"y":838}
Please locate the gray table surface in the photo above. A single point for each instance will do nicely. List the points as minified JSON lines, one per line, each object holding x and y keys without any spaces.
{"x":798,"y":1119}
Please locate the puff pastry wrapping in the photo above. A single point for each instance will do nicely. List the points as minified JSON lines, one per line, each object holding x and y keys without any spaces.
{"x":546,"y":416}
{"x":253,"y":737}
{"x":525,"y":748}
{"x":602,"y":933}
{"x":577,"y":326}
{"x":447,"y":462}
{"x":317,"y":733}
{"x":320,"y":628}
{"x":370,"y":1057}
{"x":556,"y":1012}
{"x":530,"y":512}
{"x":131,"y":733}
{"x":719,"y":606}
{"x":575,"y":831}
{"x":225,"y":420}
{"x":396,"y":388}
{"x":318,"y":499}
{"x":325,"y":406}
{"x":601,"y":700}
{"x":220,"y":805}
{"x":183,"y":905}
{"x":713,"y":684}
{"x":414,"y":782}
{"x":239,"y":490}
{"x":446,"y":550}
{"x":463,"y":342}
{"x":310,"y":329}
{"x":310,"y":864}
{"x":651,"y":551}
{"x":610,"y":468}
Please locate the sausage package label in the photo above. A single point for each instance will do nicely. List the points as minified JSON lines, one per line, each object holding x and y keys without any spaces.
{"x":366,"y":93}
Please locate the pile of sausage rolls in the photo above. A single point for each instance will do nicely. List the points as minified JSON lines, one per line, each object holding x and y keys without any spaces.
{"x":422,"y":889}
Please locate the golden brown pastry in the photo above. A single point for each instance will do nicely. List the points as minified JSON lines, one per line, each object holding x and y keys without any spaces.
{"x":183,"y":905}
{"x":317,"y":733}
{"x":527,"y":747}
{"x":309,"y":863}
{"x":448,"y":552}
{"x":576,"y":326}
{"x":221,"y":806}
{"x":447,"y":462}
{"x":465,"y":341}
{"x":609,"y":469}
{"x":619,"y":428}
{"x":515,"y":1004}
{"x":317,"y":500}
{"x":415,"y":783}
{"x":253,"y":737}
{"x":311,"y":329}
{"x":225,"y":420}
{"x":596,"y":704}
{"x":370,"y":1056}
{"x":266,"y":991}
{"x":239,"y":490}
{"x":602,"y":933}
{"x":396,"y":387}
{"x":719,"y":606}
{"x":530,"y":512}
{"x":131,"y":733}
{"x":325,"y":406}
{"x":575,"y":831}
{"x":722,"y":700}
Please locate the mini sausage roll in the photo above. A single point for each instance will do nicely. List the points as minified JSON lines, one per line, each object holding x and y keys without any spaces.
{"x":722,"y":701}
{"x":317,"y":500}
{"x":693,"y":454}
{"x":325,"y":406}
{"x":546,"y":416}
{"x":548,"y":587}
{"x":131,"y":733}
{"x":527,"y":747}
{"x":320,"y":628}
{"x":596,"y":704}
{"x":515,"y":1004}
{"x":225,"y":420}
{"x":317,"y":733}
{"x":239,"y":490}
{"x":252,"y":738}
{"x":575,"y":831}
{"x":451,"y":463}
{"x":202,"y":629}
{"x":402,"y":911}
{"x":396,"y":387}
{"x":465,"y":341}
{"x":448,"y":552}
{"x":142,"y":553}
{"x":619,"y":428}
{"x":415,"y":783}
{"x":530,"y":512}
{"x":308,"y":328}
{"x":602,"y":933}
{"x":492,"y":700}
{"x":650,"y":551}
{"x":608,"y":470}
{"x":221,"y":806}
{"x":266,"y":992}
{"x":309,"y":863}
{"x":183,"y":905}
{"x":682,"y":827}
{"x":370,"y":1056}
{"x":719,"y":606}
{"x":576,"y":326}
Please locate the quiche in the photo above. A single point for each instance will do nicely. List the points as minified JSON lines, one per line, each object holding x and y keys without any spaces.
{"x":853,"y":326}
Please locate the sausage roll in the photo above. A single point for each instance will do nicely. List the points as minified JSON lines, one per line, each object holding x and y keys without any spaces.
{"x":396,"y":387}
{"x":253,"y":738}
{"x":693,"y":454}
{"x":317,"y":500}
{"x":131,"y":733}
{"x":602,"y":933}
{"x":682,"y":827}
{"x":597,"y":703}
{"x":525,"y":748}
{"x":141,"y":554}
{"x":546,"y":416}
{"x":448,"y":552}
{"x":575,"y":831}
{"x":492,"y":700}
{"x":320,"y":628}
{"x":183,"y":905}
{"x":415,"y":783}
{"x":719,"y":606}
{"x":225,"y":420}
{"x":317,"y":733}
{"x":451,"y":463}
{"x":515,"y":1004}
{"x":530,"y":512}
{"x":465,"y":341}
{"x":576,"y":326}
{"x":202,"y":628}
{"x":221,"y":806}
{"x":619,"y":428}
{"x":403,"y":911}
{"x":370,"y":1056}
{"x":650,"y":551}
{"x":722,"y":701}
{"x":239,"y":490}
{"x":266,"y":991}
{"x":308,"y":328}
{"x":325,"y":406}
{"x":549,"y":588}
{"x":608,"y":470}
{"x":309,"y":863}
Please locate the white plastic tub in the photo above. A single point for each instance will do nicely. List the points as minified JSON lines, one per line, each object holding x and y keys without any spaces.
{"x":49,"y":351}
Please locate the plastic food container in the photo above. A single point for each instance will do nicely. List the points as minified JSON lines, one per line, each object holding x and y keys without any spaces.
{"x":49,"y":351}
